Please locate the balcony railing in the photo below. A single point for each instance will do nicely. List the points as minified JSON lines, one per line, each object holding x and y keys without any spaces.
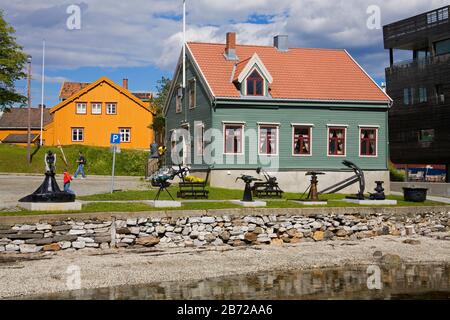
{"x":416,"y":24}
{"x":420,"y":62}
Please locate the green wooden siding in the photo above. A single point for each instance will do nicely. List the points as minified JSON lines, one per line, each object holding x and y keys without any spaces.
{"x":201,"y":112}
{"x":318,"y":114}
{"x":320,"y":118}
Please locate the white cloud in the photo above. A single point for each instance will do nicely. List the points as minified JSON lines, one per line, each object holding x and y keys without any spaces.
{"x":118,"y":33}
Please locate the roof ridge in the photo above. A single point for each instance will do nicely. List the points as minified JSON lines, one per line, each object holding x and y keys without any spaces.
{"x":267,"y":46}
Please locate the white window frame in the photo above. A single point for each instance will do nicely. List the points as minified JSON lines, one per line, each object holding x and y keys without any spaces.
{"x":108,"y":104}
{"x":303,"y":125}
{"x":80,"y":104}
{"x":263,"y":80}
{"x":122,"y":134}
{"x":192,"y":83}
{"x":96,"y":104}
{"x":362,"y":127}
{"x":237,"y":124}
{"x":179,"y":100}
{"x":277,"y":142}
{"x":201,"y":128}
{"x":78,"y":130}
{"x":330,"y":126}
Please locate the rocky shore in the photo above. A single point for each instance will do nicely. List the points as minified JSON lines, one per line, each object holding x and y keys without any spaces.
{"x":224,"y":230}
{"x":51,"y":272}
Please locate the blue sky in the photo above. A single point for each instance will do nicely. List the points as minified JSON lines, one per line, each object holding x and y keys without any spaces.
{"x":141,"y":39}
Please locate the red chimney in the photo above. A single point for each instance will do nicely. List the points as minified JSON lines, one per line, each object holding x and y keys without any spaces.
{"x":230,"y":48}
{"x":125,"y":83}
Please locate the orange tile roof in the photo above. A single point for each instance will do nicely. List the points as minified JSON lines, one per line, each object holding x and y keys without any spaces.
{"x":70,"y":88}
{"x":299,"y":73}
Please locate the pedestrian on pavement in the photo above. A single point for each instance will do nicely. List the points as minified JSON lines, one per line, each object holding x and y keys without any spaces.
{"x":67,"y":178}
{"x":81,"y":163}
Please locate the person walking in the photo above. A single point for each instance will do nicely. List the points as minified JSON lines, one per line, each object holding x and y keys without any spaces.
{"x":67,"y":178}
{"x":81,"y":163}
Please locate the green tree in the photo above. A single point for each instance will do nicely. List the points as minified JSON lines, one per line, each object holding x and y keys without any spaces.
{"x":12,"y":61}
{"x":159,"y":122}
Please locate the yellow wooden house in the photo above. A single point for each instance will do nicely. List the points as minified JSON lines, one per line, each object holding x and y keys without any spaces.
{"x":89,"y":112}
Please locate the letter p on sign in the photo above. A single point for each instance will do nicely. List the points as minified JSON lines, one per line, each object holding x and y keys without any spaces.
{"x":115,"y":138}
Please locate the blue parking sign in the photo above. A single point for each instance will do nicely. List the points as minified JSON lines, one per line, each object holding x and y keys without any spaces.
{"x":115,"y":138}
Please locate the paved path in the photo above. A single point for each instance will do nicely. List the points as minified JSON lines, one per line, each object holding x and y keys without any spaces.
{"x":15,"y":186}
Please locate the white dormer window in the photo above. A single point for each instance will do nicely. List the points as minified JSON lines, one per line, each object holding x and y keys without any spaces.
{"x":254,"y":76}
{"x":255,"y":84}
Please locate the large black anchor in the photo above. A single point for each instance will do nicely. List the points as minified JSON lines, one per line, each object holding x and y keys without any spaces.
{"x":248,"y":188}
{"x":358,"y":177}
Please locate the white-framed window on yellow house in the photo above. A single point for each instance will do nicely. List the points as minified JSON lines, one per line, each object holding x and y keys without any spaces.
{"x":96,"y":108}
{"x":111,"y":108}
{"x":192,"y":93}
{"x":77,"y":134}
{"x":81,"y":107}
{"x":125,"y":134}
{"x":178,"y":100}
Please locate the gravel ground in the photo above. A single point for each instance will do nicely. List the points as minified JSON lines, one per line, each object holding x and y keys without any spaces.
{"x":46,"y":273}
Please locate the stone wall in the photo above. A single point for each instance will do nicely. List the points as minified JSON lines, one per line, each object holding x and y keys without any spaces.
{"x":232,"y":230}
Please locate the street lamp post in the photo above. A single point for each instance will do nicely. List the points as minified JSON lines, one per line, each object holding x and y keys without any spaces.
{"x":29,"y":110}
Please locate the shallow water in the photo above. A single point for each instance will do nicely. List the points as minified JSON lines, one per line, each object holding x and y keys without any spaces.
{"x":405,"y":281}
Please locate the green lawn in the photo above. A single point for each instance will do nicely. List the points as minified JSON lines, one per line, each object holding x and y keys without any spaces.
{"x":232,"y":194}
{"x":99,"y":160}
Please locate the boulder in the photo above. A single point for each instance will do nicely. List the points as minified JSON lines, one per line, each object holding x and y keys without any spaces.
{"x":29,"y":248}
{"x":147,"y":241}
{"x":250,"y":237}
{"x":276,"y":242}
{"x":318,"y":235}
{"x":225,"y":235}
{"x":52,"y":247}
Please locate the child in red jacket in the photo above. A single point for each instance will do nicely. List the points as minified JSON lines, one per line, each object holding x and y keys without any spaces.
{"x":67,"y":179}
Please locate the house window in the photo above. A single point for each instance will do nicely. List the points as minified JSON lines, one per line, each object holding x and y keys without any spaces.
{"x":301,"y":138}
{"x":81,"y":107}
{"x":426,"y":135}
{"x":440,"y":97}
{"x":255,"y":84}
{"x":423,"y":95}
{"x":192,"y":93}
{"x":442,"y":47}
{"x":336,"y":141}
{"x":125,"y":134}
{"x":233,"y":138}
{"x":368,"y":141}
{"x":408,"y":96}
{"x":268,"y":139}
{"x":96,"y":108}
{"x":178,"y":106}
{"x":199,"y":139}
{"x":77,"y":134}
{"x":111,"y":108}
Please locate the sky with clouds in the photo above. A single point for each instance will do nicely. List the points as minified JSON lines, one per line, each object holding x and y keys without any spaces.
{"x":141,"y":39}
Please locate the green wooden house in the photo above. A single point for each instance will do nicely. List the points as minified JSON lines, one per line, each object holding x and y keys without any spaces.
{"x":289,"y":110}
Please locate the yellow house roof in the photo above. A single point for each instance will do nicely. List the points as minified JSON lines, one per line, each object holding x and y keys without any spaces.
{"x":94,"y":84}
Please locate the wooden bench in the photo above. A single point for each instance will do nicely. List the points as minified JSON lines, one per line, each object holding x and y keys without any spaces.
{"x":193,"y":190}
{"x":267,"y":190}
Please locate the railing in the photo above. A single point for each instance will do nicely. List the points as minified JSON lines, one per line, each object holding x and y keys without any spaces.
{"x":415,"y":24}
{"x":420,"y":63}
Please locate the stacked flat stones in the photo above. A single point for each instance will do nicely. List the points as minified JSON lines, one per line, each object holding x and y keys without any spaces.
{"x":216,"y":231}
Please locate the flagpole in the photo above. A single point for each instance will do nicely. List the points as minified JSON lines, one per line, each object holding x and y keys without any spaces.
{"x":184,"y":61}
{"x":42,"y":91}
{"x":184,"y":44}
